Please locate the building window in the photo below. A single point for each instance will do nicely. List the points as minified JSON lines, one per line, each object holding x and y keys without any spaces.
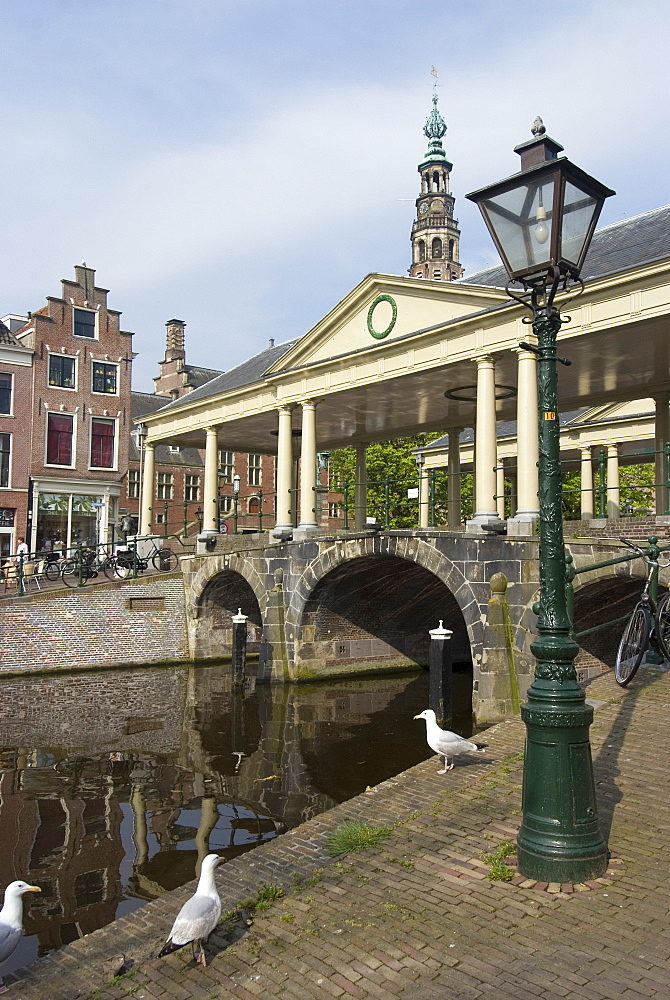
{"x":160,"y":518}
{"x":84,"y":323}
{"x":225,"y":504}
{"x":165,"y":485}
{"x":437,"y":275}
{"x":105,"y":377}
{"x":451,"y":249}
{"x":422,"y":250}
{"x":102,"y":443}
{"x":5,"y":454}
{"x":334,"y":510}
{"x":62,"y":371}
{"x":133,"y":484}
{"x":60,"y":434}
{"x":191,"y":488}
{"x":226,"y":466}
{"x":5,"y":392}
{"x":254,"y":505}
{"x":255,"y":470}
{"x":437,"y":247}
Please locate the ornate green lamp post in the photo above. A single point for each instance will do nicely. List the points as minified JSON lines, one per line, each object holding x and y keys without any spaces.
{"x":542,"y":220}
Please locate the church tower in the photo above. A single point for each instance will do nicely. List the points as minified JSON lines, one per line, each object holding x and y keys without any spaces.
{"x":435,"y":232}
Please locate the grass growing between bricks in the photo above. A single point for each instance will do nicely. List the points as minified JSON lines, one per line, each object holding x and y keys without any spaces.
{"x":498,"y":870}
{"x":356,"y":837}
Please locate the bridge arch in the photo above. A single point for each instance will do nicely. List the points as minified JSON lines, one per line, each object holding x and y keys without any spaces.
{"x":221,"y":587}
{"x":361,"y":591}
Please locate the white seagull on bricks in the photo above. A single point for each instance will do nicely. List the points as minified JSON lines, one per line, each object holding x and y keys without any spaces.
{"x":444,"y":742}
{"x":198,"y":916}
{"x":11,"y":920}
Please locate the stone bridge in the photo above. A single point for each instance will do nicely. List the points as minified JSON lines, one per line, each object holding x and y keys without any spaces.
{"x":344,"y":604}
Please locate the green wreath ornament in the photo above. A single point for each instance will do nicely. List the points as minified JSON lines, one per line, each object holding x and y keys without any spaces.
{"x":394,"y":315}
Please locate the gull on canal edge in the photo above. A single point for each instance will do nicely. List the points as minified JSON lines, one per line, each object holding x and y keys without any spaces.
{"x":444,"y":742}
{"x":198,"y":916}
{"x":11,"y":920}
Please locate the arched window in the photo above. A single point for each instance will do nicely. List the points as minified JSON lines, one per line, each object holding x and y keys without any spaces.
{"x":422,"y":249}
{"x":436,"y":181}
{"x":437,"y":247}
{"x":451,"y":249}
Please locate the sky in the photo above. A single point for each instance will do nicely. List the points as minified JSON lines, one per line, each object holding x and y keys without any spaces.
{"x":243,"y":164}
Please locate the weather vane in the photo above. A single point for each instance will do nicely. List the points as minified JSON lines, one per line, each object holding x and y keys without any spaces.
{"x":435,"y":83}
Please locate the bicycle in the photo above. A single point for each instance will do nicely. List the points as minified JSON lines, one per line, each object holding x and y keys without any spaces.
{"x":164,"y":560}
{"x":648,"y":625}
{"x":92,"y":564}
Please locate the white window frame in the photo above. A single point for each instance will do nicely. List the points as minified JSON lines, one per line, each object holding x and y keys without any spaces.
{"x":10,"y":412}
{"x":71,"y":357}
{"x":108,"y":420}
{"x":227,"y":465}
{"x":96,"y":335}
{"x":160,"y":486}
{"x":252,"y":481}
{"x":61,"y":413}
{"x":190,"y":486}
{"x":135,"y":483}
{"x":10,"y":463}
{"x":112,"y":364}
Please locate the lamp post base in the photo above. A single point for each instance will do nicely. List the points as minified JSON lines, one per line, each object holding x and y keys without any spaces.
{"x":559,"y":839}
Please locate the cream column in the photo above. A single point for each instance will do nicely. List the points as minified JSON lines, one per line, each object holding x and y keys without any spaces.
{"x":361,"y":495}
{"x":485,"y":442}
{"x":662,"y":437}
{"x":500,"y":488}
{"x":527,"y":438}
{"x":612,"y":480}
{"x":424,"y":492}
{"x":284,"y":525}
{"x":454,"y":480}
{"x":308,"y":469}
{"x":148,"y":477}
{"x":587,"y":497}
{"x":210,"y":517}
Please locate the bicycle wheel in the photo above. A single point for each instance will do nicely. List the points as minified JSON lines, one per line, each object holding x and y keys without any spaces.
{"x":123,"y":568}
{"x":52,"y":571}
{"x":663,"y":624}
{"x":165,"y":560}
{"x":70,"y":573}
{"x":108,"y":567}
{"x":634,"y":644}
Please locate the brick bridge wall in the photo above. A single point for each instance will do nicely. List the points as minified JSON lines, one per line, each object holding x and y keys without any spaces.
{"x":111,"y":624}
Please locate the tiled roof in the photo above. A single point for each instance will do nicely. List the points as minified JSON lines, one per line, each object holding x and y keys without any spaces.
{"x":142,"y":403}
{"x":8,"y":338}
{"x":630,"y":243}
{"x":246,"y":373}
{"x":198,"y":376}
{"x":504,"y":429}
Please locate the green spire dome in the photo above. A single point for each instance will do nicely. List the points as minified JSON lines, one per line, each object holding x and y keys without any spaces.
{"x":434,"y":130}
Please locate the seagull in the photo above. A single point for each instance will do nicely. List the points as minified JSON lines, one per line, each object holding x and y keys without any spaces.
{"x":11,"y":920}
{"x":443,"y":742}
{"x":198,"y":916}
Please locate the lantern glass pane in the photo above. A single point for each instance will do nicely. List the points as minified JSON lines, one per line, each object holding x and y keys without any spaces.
{"x":577,"y":215}
{"x":522,"y":221}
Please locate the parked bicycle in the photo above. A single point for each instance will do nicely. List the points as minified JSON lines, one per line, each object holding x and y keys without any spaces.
{"x":129,"y":561}
{"x":86,"y":564}
{"x":648,"y":625}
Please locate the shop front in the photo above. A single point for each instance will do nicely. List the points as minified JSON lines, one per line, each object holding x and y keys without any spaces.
{"x":66,"y":515}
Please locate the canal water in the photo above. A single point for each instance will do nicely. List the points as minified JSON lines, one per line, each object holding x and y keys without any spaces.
{"x":114,"y":784}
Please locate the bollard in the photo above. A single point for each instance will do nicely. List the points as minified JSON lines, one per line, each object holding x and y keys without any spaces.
{"x":439,"y":682}
{"x":239,"y":647}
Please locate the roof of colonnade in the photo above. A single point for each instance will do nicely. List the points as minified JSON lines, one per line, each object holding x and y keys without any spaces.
{"x":373,"y":387}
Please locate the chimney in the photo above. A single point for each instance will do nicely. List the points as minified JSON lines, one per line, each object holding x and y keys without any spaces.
{"x":175,"y":344}
{"x":271,"y":342}
{"x":85,"y":276}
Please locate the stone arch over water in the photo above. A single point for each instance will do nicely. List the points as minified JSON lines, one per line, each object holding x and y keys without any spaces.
{"x":223,"y":595}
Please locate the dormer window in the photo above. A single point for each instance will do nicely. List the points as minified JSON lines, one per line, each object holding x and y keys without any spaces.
{"x":84,"y":323}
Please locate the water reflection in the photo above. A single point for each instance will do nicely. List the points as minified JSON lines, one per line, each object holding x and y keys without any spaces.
{"x":114,"y":785}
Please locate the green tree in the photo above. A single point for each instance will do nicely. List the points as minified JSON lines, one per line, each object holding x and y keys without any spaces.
{"x":636,"y":483}
{"x":392,"y":471}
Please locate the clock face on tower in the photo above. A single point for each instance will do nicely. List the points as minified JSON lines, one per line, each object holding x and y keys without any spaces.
{"x":423,"y":208}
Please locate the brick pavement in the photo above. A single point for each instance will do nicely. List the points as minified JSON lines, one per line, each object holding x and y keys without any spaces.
{"x":417,"y":918}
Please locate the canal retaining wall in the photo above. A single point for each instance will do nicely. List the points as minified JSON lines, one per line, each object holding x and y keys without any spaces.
{"x":122,"y":623}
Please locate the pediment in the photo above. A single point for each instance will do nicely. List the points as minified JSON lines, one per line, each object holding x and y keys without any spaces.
{"x":383,"y":309}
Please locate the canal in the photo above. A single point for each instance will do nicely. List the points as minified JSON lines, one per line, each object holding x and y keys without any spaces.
{"x":113,"y":784}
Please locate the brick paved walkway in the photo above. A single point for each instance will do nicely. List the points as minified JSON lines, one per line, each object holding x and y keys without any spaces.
{"x":417,"y":918}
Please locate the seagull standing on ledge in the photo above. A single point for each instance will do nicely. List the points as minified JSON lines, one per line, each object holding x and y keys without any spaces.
{"x":198,"y":916}
{"x":443,"y":742}
{"x":11,"y":920}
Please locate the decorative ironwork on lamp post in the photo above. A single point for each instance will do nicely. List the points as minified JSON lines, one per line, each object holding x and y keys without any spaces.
{"x":542,"y":220}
